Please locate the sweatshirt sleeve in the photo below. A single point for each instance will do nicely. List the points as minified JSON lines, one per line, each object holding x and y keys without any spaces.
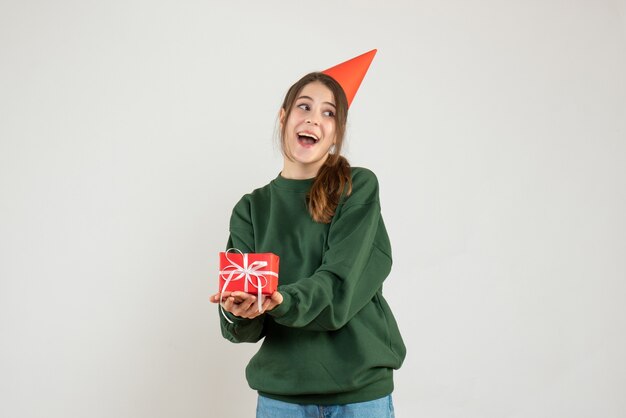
{"x":242,"y":238}
{"x":354,"y":266}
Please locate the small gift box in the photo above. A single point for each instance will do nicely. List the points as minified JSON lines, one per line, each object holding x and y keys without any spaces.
{"x":255,"y":273}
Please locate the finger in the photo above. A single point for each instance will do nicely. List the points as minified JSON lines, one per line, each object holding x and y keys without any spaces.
{"x":229,"y":304}
{"x":239,"y":299}
{"x":223,"y":296}
{"x":276,"y":300}
{"x":266,"y":304}
{"x":253,"y":309}
{"x":250,"y":303}
{"x":241,"y":295}
{"x":243,"y":309}
{"x":277,"y":297}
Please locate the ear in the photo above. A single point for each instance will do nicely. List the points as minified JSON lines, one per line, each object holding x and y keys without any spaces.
{"x":281,"y":117}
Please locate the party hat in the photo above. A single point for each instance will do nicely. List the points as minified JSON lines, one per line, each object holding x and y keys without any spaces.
{"x":349,"y":74}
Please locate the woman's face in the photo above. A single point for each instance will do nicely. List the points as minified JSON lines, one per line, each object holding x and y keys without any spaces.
{"x":310,"y":129}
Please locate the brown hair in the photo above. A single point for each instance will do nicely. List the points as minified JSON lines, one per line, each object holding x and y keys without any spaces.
{"x":334,"y":176}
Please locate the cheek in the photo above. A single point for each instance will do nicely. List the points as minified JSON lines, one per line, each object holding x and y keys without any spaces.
{"x":330,"y":130}
{"x":289,"y":128}
{"x":293,"y":123}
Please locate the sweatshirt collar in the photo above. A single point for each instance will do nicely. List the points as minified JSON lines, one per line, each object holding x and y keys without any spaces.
{"x":293,"y":184}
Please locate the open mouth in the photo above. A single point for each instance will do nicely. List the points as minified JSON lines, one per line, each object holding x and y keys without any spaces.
{"x":307,"y":139}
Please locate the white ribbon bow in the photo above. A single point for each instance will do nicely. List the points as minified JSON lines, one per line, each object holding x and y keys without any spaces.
{"x":234,"y":272}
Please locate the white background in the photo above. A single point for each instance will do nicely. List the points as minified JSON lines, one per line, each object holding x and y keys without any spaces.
{"x":129,"y":129}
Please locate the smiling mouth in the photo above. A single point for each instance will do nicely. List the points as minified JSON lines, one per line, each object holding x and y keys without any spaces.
{"x":308,"y":139}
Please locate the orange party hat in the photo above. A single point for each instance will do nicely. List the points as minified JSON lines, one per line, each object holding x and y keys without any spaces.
{"x":349,"y":74}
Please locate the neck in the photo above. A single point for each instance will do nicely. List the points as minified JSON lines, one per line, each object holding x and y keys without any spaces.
{"x":298,"y":171}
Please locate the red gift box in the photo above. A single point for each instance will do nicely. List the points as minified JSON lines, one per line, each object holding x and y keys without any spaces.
{"x":255,"y":273}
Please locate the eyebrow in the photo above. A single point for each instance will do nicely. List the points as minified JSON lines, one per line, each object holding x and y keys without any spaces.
{"x":311,"y":99}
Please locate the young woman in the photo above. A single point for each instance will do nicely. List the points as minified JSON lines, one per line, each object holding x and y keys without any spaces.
{"x":330,"y":342}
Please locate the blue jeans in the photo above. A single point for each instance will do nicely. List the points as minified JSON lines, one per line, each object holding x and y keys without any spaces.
{"x":378,"y":408}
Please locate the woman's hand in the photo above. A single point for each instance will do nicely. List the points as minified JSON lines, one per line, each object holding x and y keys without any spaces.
{"x":274,"y":300}
{"x":244,"y":305}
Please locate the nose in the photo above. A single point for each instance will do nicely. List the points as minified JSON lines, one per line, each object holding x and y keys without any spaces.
{"x":311,"y":121}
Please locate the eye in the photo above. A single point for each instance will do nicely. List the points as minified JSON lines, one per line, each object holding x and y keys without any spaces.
{"x":304,"y":106}
{"x":329,"y":113}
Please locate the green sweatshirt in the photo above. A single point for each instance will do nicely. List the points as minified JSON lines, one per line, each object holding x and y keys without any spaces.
{"x":333,"y":340}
